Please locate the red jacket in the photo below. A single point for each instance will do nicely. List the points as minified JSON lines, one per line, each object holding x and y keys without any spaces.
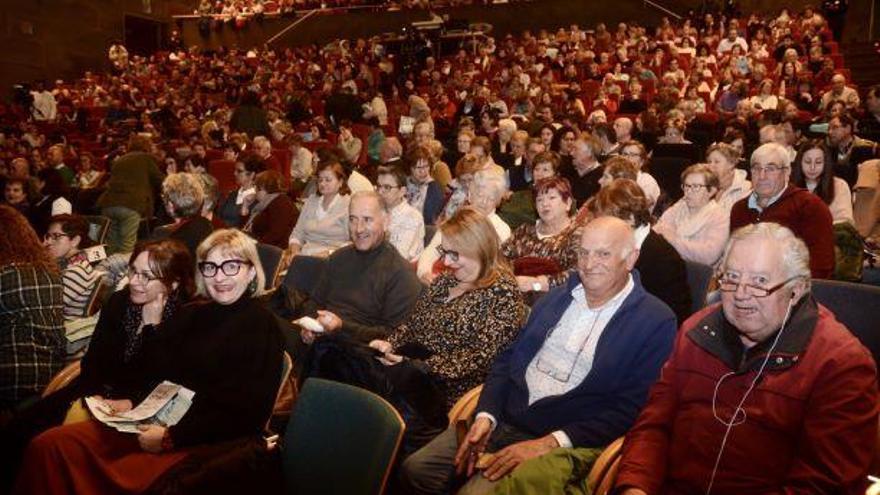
{"x":805,"y":214}
{"x":810,"y":424}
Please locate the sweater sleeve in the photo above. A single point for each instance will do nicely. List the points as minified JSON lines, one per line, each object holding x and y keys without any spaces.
{"x":839,"y":433}
{"x":94,"y":366}
{"x":706,"y":246}
{"x":298,"y":235}
{"x":239,"y":402}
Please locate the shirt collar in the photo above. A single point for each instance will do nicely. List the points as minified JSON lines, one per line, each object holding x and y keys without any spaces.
{"x":580,"y":295}
{"x":753,"y":200}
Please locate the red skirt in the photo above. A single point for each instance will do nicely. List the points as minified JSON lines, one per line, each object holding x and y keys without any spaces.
{"x":89,"y":458}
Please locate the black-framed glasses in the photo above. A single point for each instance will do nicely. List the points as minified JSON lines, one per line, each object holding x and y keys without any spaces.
{"x":451,"y":254}
{"x":726,"y":284}
{"x":54,"y":236}
{"x":145,"y":277}
{"x":230,"y":268}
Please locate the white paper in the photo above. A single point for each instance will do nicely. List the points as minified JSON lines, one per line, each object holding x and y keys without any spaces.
{"x":310,"y":324}
{"x":166,"y":405}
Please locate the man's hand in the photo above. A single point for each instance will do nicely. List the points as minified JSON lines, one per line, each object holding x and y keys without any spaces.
{"x":512,"y":456}
{"x":150,"y":437}
{"x":474,"y":444}
{"x":382,"y":346}
{"x":307,"y":336}
{"x":329,"y":321}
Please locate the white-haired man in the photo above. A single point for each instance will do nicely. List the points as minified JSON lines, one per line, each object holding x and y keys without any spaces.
{"x":765,"y":393}
{"x":774,"y":199}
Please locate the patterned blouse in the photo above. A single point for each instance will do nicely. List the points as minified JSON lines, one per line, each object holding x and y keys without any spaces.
{"x":465,"y":334}
{"x":561,"y":247}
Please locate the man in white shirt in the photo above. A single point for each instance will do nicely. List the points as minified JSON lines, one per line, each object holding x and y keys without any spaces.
{"x":732,"y":38}
{"x":406,"y":227}
{"x":577,"y":376}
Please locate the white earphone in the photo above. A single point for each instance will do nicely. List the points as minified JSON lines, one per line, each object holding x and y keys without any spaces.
{"x":739,"y":409}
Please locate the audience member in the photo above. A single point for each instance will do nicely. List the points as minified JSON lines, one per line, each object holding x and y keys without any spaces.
{"x":272,"y":214}
{"x":406,"y":227}
{"x":184,"y":195}
{"x":768,"y":371}
{"x":775,"y":200}
{"x":814,"y":172}
{"x":542,"y":394}
{"x":66,"y":239}
{"x":322,"y":226}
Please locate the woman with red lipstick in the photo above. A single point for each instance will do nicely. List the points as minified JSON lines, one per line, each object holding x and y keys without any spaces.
{"x":227,"y":350}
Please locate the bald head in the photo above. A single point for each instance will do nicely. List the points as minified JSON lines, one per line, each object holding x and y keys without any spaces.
{"x":606,"y":256}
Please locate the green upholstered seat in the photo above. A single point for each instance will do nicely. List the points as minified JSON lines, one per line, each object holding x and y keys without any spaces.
{"x":340,"y":440}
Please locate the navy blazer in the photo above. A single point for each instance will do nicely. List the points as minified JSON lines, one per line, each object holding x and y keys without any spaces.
{"x":434,"y":200}
{"x":629,"y":355}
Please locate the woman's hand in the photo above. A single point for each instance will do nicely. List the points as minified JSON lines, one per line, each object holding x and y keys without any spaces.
{"x":150,"y":437}
{"x":382,"y":346}
{"x":151,"y":313}
{"x":329,"y":320}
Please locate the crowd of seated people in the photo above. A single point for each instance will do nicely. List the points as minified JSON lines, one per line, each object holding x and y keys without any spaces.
{"x":582,"y":173}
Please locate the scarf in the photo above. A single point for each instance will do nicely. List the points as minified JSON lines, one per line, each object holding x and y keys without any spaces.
{"x":131,"y":324}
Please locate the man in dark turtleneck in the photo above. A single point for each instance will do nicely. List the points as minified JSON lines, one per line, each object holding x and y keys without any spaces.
{"x":367,"y":288}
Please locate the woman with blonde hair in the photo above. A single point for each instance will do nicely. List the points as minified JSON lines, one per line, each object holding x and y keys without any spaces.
{"x":194,"y":349}
{"x":469,"y":314}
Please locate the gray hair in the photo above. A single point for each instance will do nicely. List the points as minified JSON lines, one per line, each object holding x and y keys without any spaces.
{"x":492,"y":182}
{"x":185,"y":193}
{"x":767,"y":151}
{"x":212,"y":191}
{"x":795,"y":255}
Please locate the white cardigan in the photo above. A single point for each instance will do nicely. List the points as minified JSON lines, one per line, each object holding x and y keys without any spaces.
{"x":697,"y":237}
{"x":327,"y":233}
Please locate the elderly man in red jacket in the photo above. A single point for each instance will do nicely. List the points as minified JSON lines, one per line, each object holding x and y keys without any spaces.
{"x":766,"y":393}
{"x":773,"y":199}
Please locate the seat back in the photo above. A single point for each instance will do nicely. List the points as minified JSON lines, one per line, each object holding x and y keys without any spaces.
{"x":464,"y":407}
{"x":270,"y":257}
{"x":340,"y":440}
{"x":304,"y":272}
{"x":699,"y":276}
{"x":667,"y":171}
{"x":62,"y":378}
{"x":224,"y":172}
{"x":603,"y":465}
{"x":850,"y":302}
{"x":98,"y":227}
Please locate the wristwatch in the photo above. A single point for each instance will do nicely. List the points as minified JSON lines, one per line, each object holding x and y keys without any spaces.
{"x":536,"y":286}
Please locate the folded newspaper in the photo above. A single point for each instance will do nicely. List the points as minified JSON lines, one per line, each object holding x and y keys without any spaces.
{"x":165,"y":406}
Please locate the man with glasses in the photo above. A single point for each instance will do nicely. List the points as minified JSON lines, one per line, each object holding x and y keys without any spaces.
{"x":765,"y":393}
{"x":576,"y":378}
{"x":773,"y":199}
{"x":406,"y":226}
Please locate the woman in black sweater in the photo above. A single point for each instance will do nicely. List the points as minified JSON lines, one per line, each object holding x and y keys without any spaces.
{"x":160,"y":281}
{"x":228,"y":350}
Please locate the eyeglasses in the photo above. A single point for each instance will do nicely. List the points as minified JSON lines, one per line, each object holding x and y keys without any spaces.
{"x":693,"y":187}
{"x":386,"y":187}
{"x":145,"y":277}
{"x":54,"y":236}
{"x":768,"y":170}
{"x":726,"y":283}
{"x":230,"y":268}
{"x":453,"y":255}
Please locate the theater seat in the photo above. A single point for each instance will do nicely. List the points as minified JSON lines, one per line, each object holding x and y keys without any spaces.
{"x":304,"y":272}
{"x":270,"y":258}
{"x":62,"y":378}
{"x":848,"y":301}
{"x":604,"y":471}
{"x":699,"y":277}
{"x":340,"y":440}
{"x":464,"y":407}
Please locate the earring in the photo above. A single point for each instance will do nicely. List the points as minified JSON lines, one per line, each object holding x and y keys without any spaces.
{"x":252,"y":286}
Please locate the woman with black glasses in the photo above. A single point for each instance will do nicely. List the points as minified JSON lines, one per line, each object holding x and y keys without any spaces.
{"x":227,"y":350}
{"x":160,"y":277}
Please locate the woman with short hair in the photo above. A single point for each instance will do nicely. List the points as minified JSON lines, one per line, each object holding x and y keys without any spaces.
{"x":323,"y":225}
{"x":542,"y":252}
{"x":65,"y":239}
{"x":195,"y":349}
{"x":272,"y":213}
{"x":732,"y":183}
{"x":696,"y":226}
{"x":183,"y":195}
{"x":234,"y":209}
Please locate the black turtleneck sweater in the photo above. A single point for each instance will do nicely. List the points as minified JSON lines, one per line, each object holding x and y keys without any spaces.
{"x":371,"y":291}
{"x":230,"y":356}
